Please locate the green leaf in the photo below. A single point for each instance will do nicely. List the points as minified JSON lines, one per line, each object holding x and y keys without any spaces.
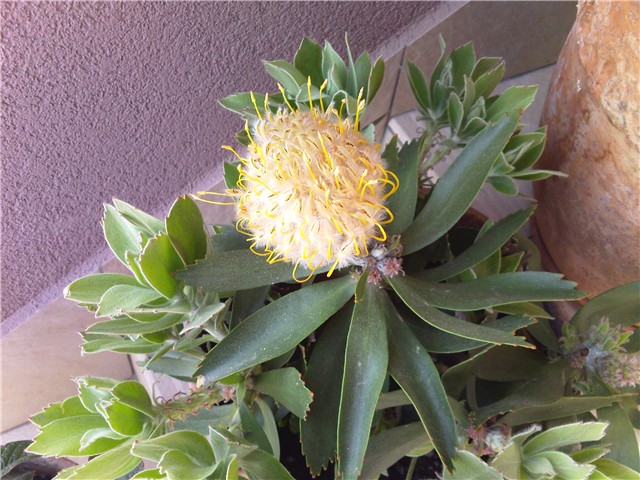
{"x":132,"y":263}
{"x":437,"y":70}
{"x":262,"y":465}
{"x":437,"y":341}
{"x":439,"y":98}
{"x":621,"y":436}
{"x":390,"y":153}
{"x":615,"y":470}
{"x":120,"y":298}
{"x":564,"y":436}
{"x":620,"y":304}
{"x":158,"y":262}
{"x":516,"y":98}
{"x":308,"y":60}
{"x":469,"y":95}
{"x":509,"y":462}
{"x":94,"y":390}
{"x":247,"y":302}
{"x":225,"y":443}
{"x":491,"y":241}
{"x":238,"y":270}
{"x":269,"y":426}
{"x":185,"y":228}
{"x":501,"y":167}
{"x":488,"y":267}
{"x":285,"y":73}
{"x":418,"y":86}
{"x":241,"y":103}
{"x":545,"y":465}
{"x":91,"y":288}
{"x":227,"y":238}
{"x":113,"y":464}
{"x":511,"y":263}
{"x":324,"y":378}
{"x":62,"y":437}
{"x":402,"y":203}
{"x":533,"y":175}
{"x":178,"y":466}
{"x":564,"y":407}
{"x":532,"y":155}
{"x":468,"y":466}
{"x":589,"y":455}
{"x":455,"y":111}
{"x":195,"y":446}
{"x":205,"y":316}
{"x":500,"y":289}
{"x":412,"y":295}
{"x":231,"y":174}
{"x":504,"y":185}
{"x":95,"y":342}
{"x":352,"y":77}
{"x":391,"y":445}
{"x":134,"y":395}
{"x":529,"y":309}
{"x":484,"y":65}
{"x":128,"y":326}
{"x":556,"y":464}
{"x":521,"y":143}
{"x":546,"y":385}
{"x":507,"y":364}
{"x":333,"y":63}
{"x":459,"y":186}
{"x":13,"y":454}
{"x":375,"y":79}
{"x":150,"y":224}
{"x":397,"y":398}
{"x":124,"y":420}
{"x":287,"y":388}
{"x":220,"y":414}
{"x":365,"y":369}
{"x":284,"y":324}
{"x":121,"y":235}
{"x":463,"y":60}
{"x":489,"y":79}
{"x":474,"y":126}
{"x":149,"y":475}
{"x":177,"y":364}
{"x":412,"y":367}
{"x":252,"y":431}
{"x":71,"y":407}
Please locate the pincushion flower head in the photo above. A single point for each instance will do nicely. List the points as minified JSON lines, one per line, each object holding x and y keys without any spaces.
{"x":312,"y":188}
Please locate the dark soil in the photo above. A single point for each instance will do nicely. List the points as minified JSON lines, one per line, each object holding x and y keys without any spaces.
{"x":427,"y":467}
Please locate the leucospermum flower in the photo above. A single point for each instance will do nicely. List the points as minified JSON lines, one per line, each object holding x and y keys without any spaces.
{"x":312,"y":188}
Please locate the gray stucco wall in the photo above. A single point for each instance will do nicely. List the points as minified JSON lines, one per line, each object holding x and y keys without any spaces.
{"x":103,"y":100}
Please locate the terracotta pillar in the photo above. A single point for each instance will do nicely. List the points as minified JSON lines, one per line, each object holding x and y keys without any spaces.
{"x":590,"y":221}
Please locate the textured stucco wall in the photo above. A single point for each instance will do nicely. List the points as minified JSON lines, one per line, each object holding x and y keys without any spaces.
{"x":120,"y":99}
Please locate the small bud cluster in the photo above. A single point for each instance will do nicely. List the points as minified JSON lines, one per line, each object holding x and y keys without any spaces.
{"x":384,"y":260}
{"x":182,"y":405}
{"x":487,"y":439}
{"x":601,"y":352}
{"x":621,"y":371}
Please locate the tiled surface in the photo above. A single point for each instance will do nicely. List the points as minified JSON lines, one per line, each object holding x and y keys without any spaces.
{"x":41,"y":356}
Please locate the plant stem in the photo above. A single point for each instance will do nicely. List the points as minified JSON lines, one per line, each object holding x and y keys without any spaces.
{"x":412,"y":467}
